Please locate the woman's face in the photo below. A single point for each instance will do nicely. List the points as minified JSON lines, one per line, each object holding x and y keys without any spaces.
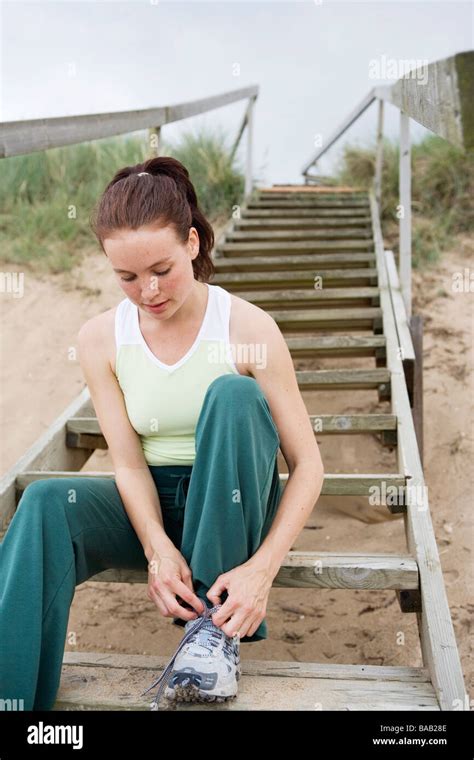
{"x":152,"y":266}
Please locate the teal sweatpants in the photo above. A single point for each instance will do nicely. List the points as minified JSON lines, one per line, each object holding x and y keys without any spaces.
{"x":65,"y":530}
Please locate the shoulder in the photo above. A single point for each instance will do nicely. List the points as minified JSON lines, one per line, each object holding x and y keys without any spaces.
{"x":254,"y":333}
{"x":252,"y":320}
{"x":99,"y":333}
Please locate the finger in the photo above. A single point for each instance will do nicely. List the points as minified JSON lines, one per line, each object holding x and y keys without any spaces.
{"x":175,"y":608}
{"x":189,"y":596}
{"x":238,"y":623}
{"x":241,"y":622}
{"x":216,"y":590}
{"x":251,"y":628}
{"x":158,"y":601}
{"x":227,"y":609}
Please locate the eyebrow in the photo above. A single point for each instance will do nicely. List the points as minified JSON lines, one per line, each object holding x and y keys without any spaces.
{"x":156,"y":264}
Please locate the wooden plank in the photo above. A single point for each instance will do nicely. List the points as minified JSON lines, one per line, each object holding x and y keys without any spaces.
{"x":348,"y":121}
{"x":342,"y":379}
{"x":317,"y":570}
{"x":120,"y":680}
{"x":49,"y":451}
{"x":444,"y":103}
{"x":279,"y":187}
{"x":327,"y":319}
{"x":303,"y":213}
{"x":85,"y":431}
{"x":310,"y":203}
{"x":416,"y":401}
{"x":310,"y":223}
{"x":295,"y":299}
{"x":331,"y":278}
{"x":27,"y":136}
{"x":302,"y":247}
{"x":283,"y":235}
{"x":302,"y":261}
{"x":306,"y":191}
{"x":402,"y":323}
{"x":336,"y":345}
{"x":353,"y":484}
{"x":325,"y":424}
{"x":438,"y":642}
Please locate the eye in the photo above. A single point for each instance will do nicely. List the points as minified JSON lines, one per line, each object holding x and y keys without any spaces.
{"x":129,"y":279}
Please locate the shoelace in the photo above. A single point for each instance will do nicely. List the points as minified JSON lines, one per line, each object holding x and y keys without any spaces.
{"x":163,"y":678}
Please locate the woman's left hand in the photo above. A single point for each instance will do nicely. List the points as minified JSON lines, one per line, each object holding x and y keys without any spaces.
{"x":248,"y":587}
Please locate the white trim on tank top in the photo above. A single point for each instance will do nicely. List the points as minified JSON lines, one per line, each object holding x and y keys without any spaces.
{"x":193,"y":348}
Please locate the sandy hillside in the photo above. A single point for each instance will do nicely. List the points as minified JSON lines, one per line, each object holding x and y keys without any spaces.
{"x":40,"y":375}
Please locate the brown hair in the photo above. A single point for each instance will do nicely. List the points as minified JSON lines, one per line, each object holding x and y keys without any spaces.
{"x":167,"y":197}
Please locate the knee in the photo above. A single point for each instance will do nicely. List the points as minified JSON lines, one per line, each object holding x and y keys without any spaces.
{"x":43,"y":494}
{"x":240,"y":388}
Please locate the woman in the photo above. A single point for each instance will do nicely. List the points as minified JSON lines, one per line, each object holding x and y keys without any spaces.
{"x":195,"y":391}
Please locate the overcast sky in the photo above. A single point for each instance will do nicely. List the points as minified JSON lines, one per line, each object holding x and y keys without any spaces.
{"x":313,"y":61}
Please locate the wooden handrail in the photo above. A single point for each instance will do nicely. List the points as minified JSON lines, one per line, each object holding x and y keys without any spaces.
{"x":21,"y":137}
{"x":442,"y":104}
{"x":353,"y":116}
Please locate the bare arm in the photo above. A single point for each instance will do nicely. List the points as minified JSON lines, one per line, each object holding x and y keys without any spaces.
{"x":297,"y":443}
{"x":168,"y":572}
{"x":132,"y":476}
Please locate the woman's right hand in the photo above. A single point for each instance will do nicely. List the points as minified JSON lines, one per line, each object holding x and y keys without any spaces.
{"x":168,"y":577}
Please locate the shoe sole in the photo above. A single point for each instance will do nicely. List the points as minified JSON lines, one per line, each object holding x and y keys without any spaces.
{"x":191,"y":693}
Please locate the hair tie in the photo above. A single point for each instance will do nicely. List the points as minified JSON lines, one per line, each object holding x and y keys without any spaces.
{"x":140,"y":174}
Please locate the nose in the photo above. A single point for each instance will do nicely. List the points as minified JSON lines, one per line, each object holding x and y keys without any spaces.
{"x":150,"y":288}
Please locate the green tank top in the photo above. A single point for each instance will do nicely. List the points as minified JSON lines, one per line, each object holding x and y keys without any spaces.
{"x":164,"y":401}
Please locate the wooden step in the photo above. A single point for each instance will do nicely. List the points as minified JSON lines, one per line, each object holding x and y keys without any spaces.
{"x":341,"y":484}
{"x":310,"y":223}
{"x":303,"y":195}
{"x":297,"y":248}
{"x":310,"y":203}
{"x":337,"y":345}
{"x":315,"y":213}
{"x":350,"y":233}
{"x":105,"y":681}
{"x":85,"y":432}
{"x":312,"y":297}
{"x":315,"y":262}
{"x":342,"y":379}
{"x":318,"y":570}
{"x":331,"y":278}
{"x":329,"y":319}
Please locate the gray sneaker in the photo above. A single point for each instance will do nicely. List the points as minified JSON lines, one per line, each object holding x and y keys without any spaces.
{"x":205,"y":667}
{"x":208,"y":666}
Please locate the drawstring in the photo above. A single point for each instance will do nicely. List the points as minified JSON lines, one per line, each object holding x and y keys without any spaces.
{"x":182,"y":490}
{"x":208,"y":611}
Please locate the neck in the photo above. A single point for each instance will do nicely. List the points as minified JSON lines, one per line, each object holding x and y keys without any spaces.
{"x":189,"y":312}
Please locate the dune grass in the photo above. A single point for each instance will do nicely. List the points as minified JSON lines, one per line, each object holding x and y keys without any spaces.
{"x":442,"y":192}
{"x":46,"y":198}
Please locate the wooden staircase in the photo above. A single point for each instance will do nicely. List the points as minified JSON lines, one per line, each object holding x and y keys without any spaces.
{"x":288,"y":242}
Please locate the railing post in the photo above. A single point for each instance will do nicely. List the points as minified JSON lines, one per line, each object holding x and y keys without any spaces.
{"x":379,"y":156}
{"x":248,"y":166}
{"x":154,"y":141}
{"x":404,"y":263}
